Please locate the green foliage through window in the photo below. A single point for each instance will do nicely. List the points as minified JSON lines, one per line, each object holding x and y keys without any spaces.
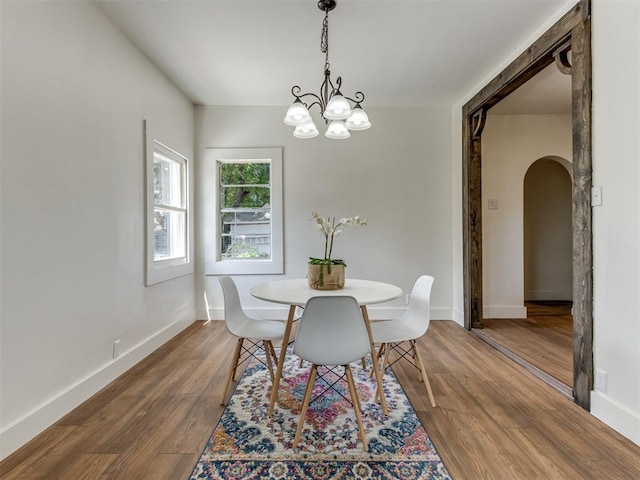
{"x":245,"y":209}
{"x":245,"y":184}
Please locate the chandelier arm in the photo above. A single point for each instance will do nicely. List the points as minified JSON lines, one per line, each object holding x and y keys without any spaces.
{"x":294,"y":89}
{"x":359,"y":98}
{"x":317,"y":101}
{"x":336,"y":90}
{"x":326,"y":89}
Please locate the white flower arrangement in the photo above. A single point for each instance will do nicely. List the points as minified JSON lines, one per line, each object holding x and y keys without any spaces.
{"x":330,"y":227}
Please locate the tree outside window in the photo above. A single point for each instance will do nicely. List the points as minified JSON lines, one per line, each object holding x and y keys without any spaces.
{"x":245,"y":210}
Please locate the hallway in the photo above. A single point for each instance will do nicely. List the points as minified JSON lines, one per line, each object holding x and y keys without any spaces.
{"x":543,"y":340}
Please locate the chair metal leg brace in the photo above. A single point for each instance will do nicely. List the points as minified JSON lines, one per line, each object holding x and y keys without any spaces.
{"x":242,"y":354}
{"x":330,"y":385}
{"x":411,"y":355}
{"x":354,"y":400}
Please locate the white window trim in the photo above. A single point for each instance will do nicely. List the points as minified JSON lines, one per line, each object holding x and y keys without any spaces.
{"x":163,"y":270}
{"x":213,"y":264}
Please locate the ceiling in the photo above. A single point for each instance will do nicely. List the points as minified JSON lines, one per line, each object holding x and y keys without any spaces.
{"x":398,"y":52}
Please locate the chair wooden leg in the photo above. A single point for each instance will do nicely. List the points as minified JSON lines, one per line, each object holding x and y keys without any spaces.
{"x":385,"y":360}
{"x":305,"y":404}
{"x":274,"y":355}
{"x":281,"y":358}
{"x":267,"y":354}
{"x":374,"y":365}
{"x":378,"y":355}
{"x":412,"y":344}
{"x":232,"y":370}
{"x":425,"y":378}
{"x":236,"y":359}
{"x":355,"y":400}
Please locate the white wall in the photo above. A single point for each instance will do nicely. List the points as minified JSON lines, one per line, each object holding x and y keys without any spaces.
{"x":616,"y":224}
{"x":397,"y":175}
{"x":510,"y":144}
{"x":74,"y":96}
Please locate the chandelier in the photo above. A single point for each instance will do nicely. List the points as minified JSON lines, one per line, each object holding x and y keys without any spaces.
{"x":341,"y":114}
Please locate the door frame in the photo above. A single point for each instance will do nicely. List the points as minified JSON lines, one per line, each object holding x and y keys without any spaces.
{"x":572,"y":33}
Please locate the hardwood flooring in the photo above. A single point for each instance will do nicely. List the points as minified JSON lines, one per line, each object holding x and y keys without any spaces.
{"x":494,"y":420}
{"x":544,"y":339}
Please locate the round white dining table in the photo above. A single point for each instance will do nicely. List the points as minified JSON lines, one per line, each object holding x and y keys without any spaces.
{"x":296,"y":292}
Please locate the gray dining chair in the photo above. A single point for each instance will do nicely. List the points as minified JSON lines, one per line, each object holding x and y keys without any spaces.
{"x":393,"y":334}
{"x":331,"y":332}
{"x":247,"y":330}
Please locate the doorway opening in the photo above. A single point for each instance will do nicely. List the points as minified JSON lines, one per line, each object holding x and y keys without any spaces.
{"x":537,"y":328}
{"x":568,"y":45}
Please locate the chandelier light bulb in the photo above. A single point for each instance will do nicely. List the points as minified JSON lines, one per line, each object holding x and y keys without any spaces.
{"x":297,"y":114}
{"x":337,"y":130}
{"x":308,"y":130}
{"x":359,"y":120}
{"x":338,"y":108}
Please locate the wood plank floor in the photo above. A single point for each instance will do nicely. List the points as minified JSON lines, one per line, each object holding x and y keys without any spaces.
{"x":494,"y":420}
{"x":544,"y":339}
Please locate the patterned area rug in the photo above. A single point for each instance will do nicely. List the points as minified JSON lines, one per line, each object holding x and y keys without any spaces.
{"x":246,"y":444}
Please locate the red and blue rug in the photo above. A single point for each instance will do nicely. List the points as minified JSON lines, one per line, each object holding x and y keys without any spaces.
{"x":246,"y":444}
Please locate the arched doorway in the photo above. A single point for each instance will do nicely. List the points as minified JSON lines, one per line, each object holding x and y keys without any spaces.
{"x":548,"y":243}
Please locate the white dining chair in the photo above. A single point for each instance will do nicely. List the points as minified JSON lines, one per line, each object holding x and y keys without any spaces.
{"x":391,"y":335}
{"x":247,"y":330}
{"x":331,"y":332}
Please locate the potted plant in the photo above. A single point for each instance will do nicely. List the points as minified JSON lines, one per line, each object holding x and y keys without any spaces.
{"x":328,"y":273}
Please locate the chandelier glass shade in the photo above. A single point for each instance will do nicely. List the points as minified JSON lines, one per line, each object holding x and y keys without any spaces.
{"x":308,"y":130}
{"x":337,"y":130}
{"x":340,"y":113}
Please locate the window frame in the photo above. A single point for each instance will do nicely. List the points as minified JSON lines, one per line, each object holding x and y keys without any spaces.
{"x":161,"y":270}
{"x":214,"y":264}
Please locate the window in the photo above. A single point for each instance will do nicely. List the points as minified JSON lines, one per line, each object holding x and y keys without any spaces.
{"x":167,"y":214}
{"x":169,"y":205}
{"x":243,"y":231}
{"x":244,"y":209}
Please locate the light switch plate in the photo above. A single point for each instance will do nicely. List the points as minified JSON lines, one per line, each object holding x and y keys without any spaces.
{"x":596,"y":196}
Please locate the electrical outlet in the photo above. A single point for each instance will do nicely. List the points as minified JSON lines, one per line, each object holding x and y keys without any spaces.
{"x":493,"y":204}
{"x":116,"y":348}
{"x":601,"y":380}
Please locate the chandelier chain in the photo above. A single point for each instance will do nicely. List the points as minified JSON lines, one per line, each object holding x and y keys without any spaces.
{"x":324,"y":39}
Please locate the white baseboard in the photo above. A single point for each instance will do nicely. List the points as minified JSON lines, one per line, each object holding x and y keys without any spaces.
{"x":375,"y":313}
{"x":458,"y":316}
{"x":547,"y":295}
{"x":18,"y":433}
{"x":438,"y":313}
{"x":504,"y":311}
{"x":621,"y":419}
